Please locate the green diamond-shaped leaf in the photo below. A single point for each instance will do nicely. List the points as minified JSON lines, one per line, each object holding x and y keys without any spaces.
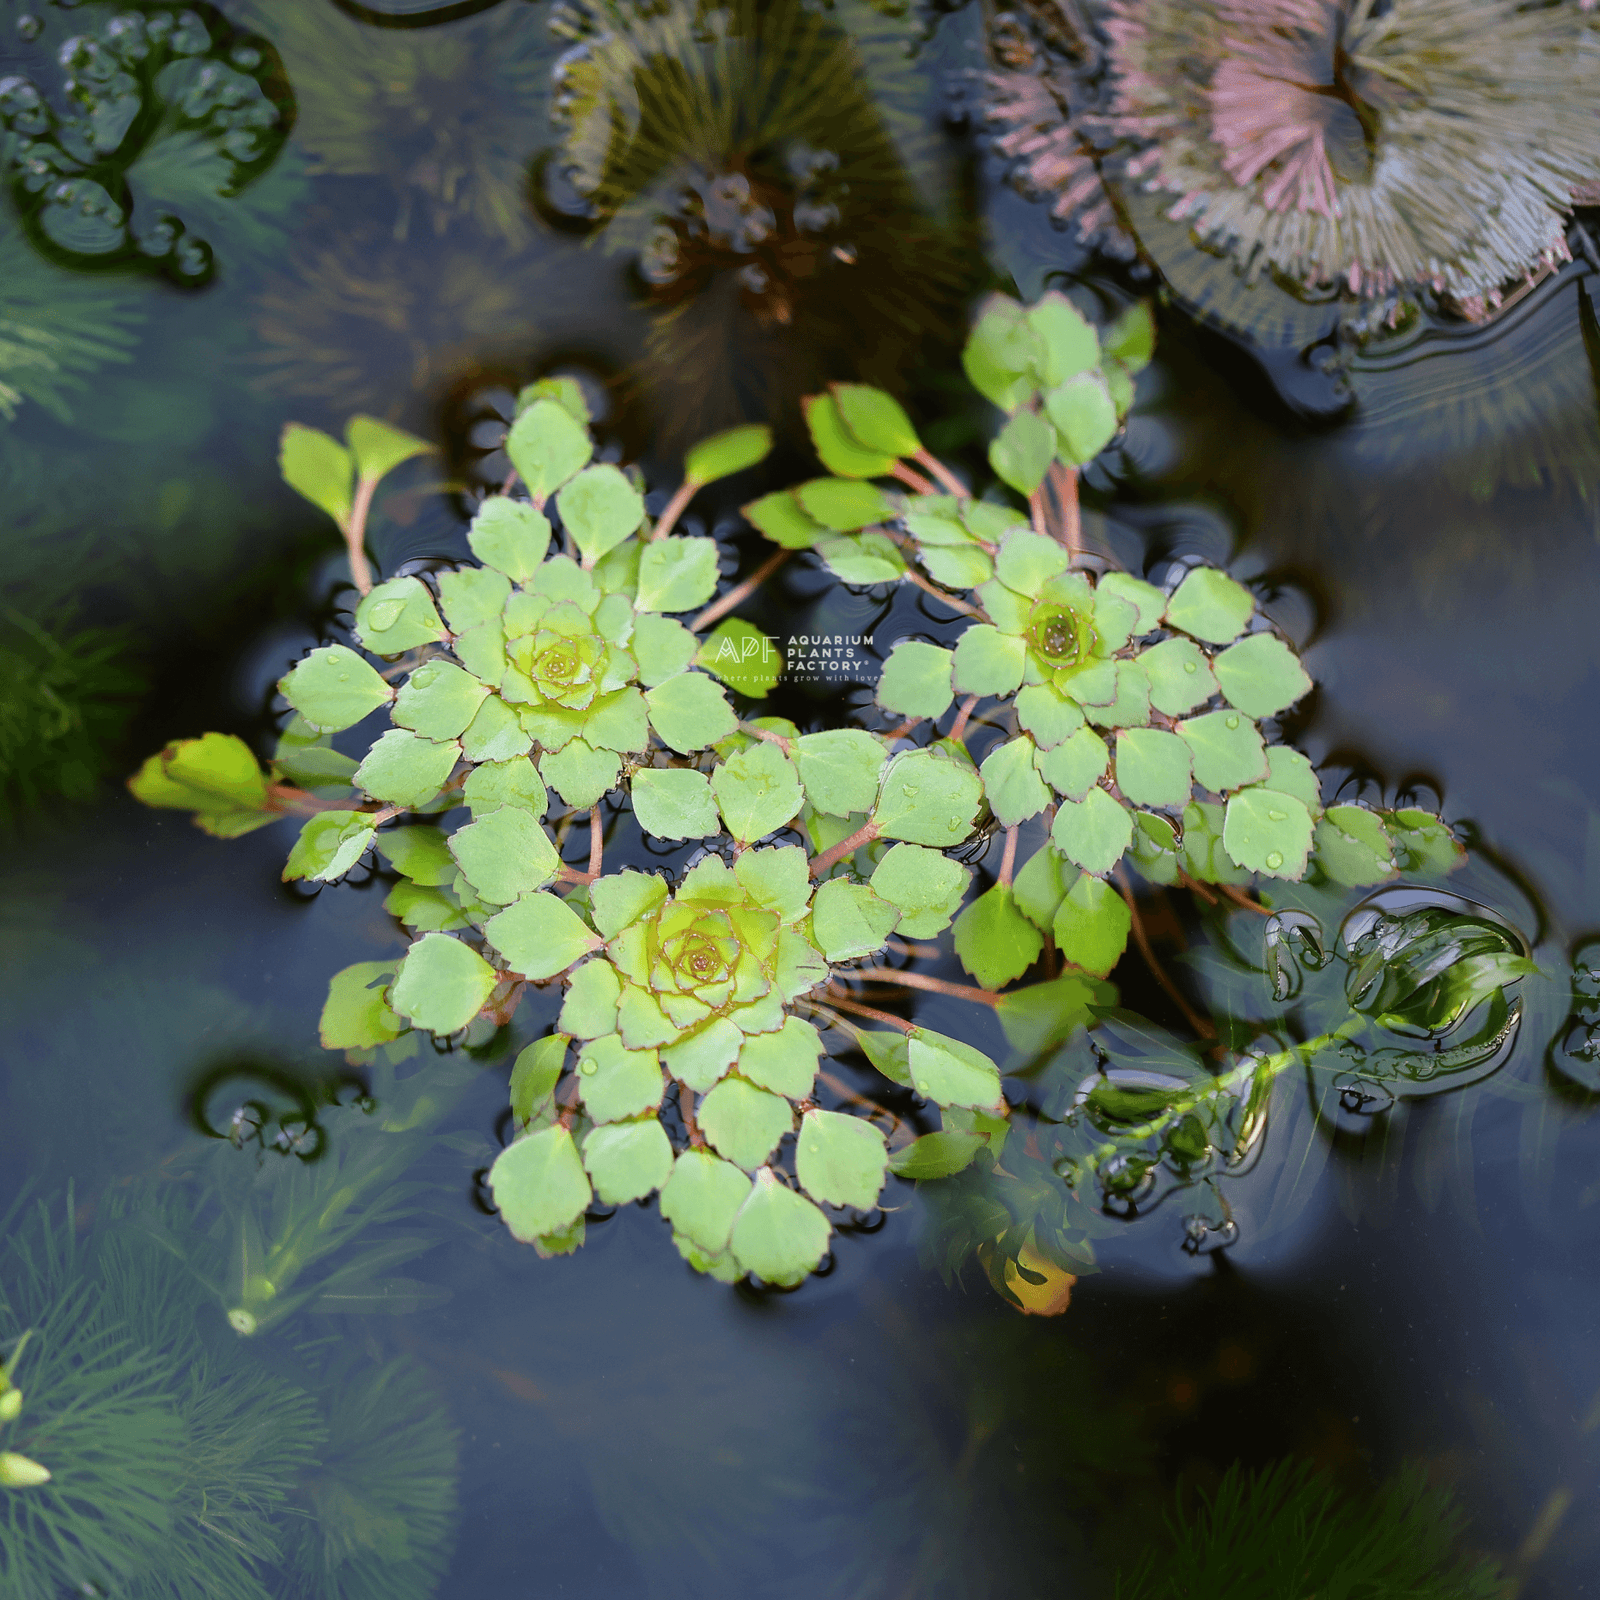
{"x":1074,"y":767}
{"x":617,"y":1083}
{"x":580,"y":774}
{"x":678,"y":574}
{"x":1085,"y":417}
{"x":1180,"y":676}
{"x":539,"y":1185}
{"x":1153,"y":767}
{"x":674,"y":803}
{"x":617,"y":721}
{"x":1147,"y":601}
{"x":1051,"y":718}
{"x":784,"y":1062}
{"x":784,"y":521}
{"x":849,"y":920}
{"x":780,"y":1236}
{"x":1228,"y":752}
{"x":621,"y":898}
{"x":438,"y":700}
{"x":600,"y":508}
{"x":1422,"y":842}
{"x":505,"y":853}
{"x":1044,"y":1015}
{"x":1202,"y":853}
{"x":547,"y":445}
{"x":951,"y":1073}
{"x":876,"y":420}
{"x":988,"y":661}
{"x":837,"y":447}
{"x":758,"y":791}
{"x":1092,"y":925}
{"x":509,"y":536}
{"x":777,"y":879}
{"x":690,"y":712}
{"x":744,"y":1122}
{"x":378,"y":448}
{"x":472,"y":596}
{"x":927,"y":798}
{"x":495,"y":734}
{"x":700,"y":1058}
{"x":845,"y":504}
{"x":724,"y":454}
{"x":421,"y":854}
{"x":404,"y":769}
{"x":927,"y":887}
{"x":442,"y":984}
{"x":329,"y":845}
{"x":316,"y":465}
{"x":1261,"y":675}
{"x":1028,"y":560}
{"x":1094,"y":833}
{"x":1012,"y":783}
{"x":1352,"y":847}
{"x":590,"y":1007}
{"x":1129,"y":706}
{"x":916,"y":680}
{"x":505,"y":783}
{"x":628,"y":1160}
{"x":864,"y":559}
{"x":702,"y":1198}
{"x":1022,"y":451}
{"x":937,"y":1155}
{"x":1068,"y":343}
{"x":839,"y":769}
{"x":1155,"y":847}
{"x":1291,"y":773}
{"x":1000,"y":354}
{"x":398,"y":616}
{"x":1268,"y":832}
{"x":534,"y":1077}
{"x":743,"y":657}
{"x":1211,"y":606}
{"x":333,"y":688}
{"x":356,"y":1016}
{"x":662,"y":646}
{"x":1131,"y":339}
{"x":1041,"y":885}
{"x":963,"y":567}
{"x":841,"y":1160}
{"x":426,"y":910}
{"x":540,"y":935}
{"x":995,"y":942}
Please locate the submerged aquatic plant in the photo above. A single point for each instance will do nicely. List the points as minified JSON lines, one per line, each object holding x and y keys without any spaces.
{"x":764,"y":169}
{"x":1284,"y":1531}
{"x":445,"y":118}
{"x":1435,"y":146}
{"x":56,"y":328}
{"x":65,"y":698}
{"x":159,"y":107}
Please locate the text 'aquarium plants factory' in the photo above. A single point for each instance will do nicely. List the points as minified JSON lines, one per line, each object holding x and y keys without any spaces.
{"x":800,"y":799}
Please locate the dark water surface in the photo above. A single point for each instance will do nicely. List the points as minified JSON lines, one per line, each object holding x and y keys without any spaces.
{"x":627,"y":1428}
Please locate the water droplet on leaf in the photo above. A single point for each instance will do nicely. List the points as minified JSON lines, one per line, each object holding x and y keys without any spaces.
{"x":1233,"y":720}
{"x":588,"y":1066}
{"x":1274,"y":859}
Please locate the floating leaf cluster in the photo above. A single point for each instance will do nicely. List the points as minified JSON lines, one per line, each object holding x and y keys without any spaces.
{"x":150,"y":98}
{"x":1135,"y":731}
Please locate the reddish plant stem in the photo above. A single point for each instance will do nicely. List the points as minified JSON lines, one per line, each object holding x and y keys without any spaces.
{"x":911,"y":479}
{"x":573,"y":875}
{"x":1200,"y":1024}
{"x":958,"y":728}
{"x":904,"y":731}
{"x":855,"y":1008}
{"x":1240,"y":898}
{"x":918,"y":980}
{"x":1064,"y":480}
{"x":1039,"y":512}
{"x":943,"y":598}
{"x":845,"y":1092}
{"x":1008,"y":857}
{"x":865,"y":834}
{"x":740,"y":591}
{"x":674,"y":508}
{"x":686,"y":1106}
{"x":355,"y":534}
{"x":597,"y":842}
{"x":771,"y":737}
{"x":513,"y":477}
{"x":946,"y":478}
{"x":1196,"y":888}
{"x":917,"y":952}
